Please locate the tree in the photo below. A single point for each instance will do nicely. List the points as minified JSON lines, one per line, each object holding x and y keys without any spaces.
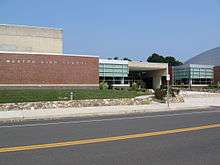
{"x":161,"y":59}
{"x":172,"y":61}
{"x":156,"y":58}
{"x":126,"y":59}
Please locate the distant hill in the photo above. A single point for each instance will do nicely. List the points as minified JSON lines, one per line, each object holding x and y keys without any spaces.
{"x":210,"y":57}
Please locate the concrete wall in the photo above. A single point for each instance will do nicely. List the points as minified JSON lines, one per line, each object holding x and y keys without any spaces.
{"x":30,"y":39}
{"x":156,"y":75}
{"x":29,"y":70}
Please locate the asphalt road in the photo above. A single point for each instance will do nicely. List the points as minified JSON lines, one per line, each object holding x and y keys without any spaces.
{"x":183,"y":138}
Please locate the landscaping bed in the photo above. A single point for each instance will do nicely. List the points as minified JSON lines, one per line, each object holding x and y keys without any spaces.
{"x":27,"y":99}
{"x":72,"y":104}
{"x":36,"y":95}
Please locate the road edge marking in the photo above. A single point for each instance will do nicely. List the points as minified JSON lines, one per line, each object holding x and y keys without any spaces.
{"x":107,"y":119}
{"x":105,"y":139}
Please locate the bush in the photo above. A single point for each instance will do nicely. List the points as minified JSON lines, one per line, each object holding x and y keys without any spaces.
{"x":134,"y":87}
{"x":163,"y":86}
{"x":160,"y":94}
{"x":218,"y":85}
{"x":214,"y":86}
{"x":103,"y":85}
{"x":141,"y":84}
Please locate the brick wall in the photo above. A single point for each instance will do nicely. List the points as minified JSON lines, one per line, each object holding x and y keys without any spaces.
{"x":170,"y":71}
{"x":48,"y":69}
{"x":216,"y":74}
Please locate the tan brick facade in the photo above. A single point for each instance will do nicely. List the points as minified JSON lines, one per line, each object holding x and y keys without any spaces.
{"x":17,"y":68}
{"x":20,"y":38}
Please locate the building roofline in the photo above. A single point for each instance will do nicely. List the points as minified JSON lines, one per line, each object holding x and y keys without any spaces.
{"x":194,"y":65}
{"x":144,"y":62}
{"x":30,"y":26}
{"x":113,"y":61}
{"x":39,"y":53}
{"x":148,"y":63}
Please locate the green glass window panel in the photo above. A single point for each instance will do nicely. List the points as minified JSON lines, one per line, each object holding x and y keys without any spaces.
{"x":109,"y":70}
{"x":209,"y":76}
{"x":109,"y":74}
{"x":101,"y":70}
{"x":209,"y":70}
{"x":118,"y":74}
{"x":195,"y":69}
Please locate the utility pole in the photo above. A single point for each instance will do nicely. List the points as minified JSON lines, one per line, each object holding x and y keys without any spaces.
{"x":168,"y":90}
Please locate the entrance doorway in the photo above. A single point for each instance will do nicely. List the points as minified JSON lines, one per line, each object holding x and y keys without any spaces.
{"x":148,"y":82}
{"x":141,"y":78}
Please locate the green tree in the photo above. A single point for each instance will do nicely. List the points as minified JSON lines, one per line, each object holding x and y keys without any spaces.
{"x":156,"y":58}
{"x":126,"y":59}
{"x":161,"y":59}
{"x":172,"y":61}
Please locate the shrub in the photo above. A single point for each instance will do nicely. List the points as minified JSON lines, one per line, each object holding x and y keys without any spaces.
{"x":134,"y":87}
{"x":160,"y":93}
{"x":103,"y":85}
{"x":141,"y":84}
{"x":214,"y":86}
{"x":218,"y":85}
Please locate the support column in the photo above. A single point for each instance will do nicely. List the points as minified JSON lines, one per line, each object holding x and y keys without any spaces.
{"x":123,"y":80}
{"x":156,"y":82}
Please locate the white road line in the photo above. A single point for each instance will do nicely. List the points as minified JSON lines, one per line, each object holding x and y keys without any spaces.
{"x":111,"y":119}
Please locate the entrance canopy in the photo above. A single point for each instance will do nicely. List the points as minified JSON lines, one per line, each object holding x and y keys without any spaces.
{"x":145,"y":66}
{"x":150,"y":73}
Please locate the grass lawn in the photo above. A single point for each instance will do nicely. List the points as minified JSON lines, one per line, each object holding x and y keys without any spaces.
{"x":33,"y":95}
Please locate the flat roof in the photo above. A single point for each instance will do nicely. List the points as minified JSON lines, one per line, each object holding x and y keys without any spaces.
{"x":39,"y":53}
{"x":30,"y":26}
{"x":144,"y":66}
{"x":106,"y":61}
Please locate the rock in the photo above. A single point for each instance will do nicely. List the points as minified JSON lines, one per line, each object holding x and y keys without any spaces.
{"x":74,"y":103}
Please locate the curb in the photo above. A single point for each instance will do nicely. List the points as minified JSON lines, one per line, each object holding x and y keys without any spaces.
{"x":15,"y":116}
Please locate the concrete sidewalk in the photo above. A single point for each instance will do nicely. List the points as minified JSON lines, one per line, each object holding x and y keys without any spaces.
{"x":192,"y":101}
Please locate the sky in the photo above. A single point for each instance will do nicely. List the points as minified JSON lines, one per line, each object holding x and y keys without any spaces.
{"x":124,"y":28}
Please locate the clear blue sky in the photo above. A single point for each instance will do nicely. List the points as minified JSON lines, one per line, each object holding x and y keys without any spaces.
{"x":124,"y":28}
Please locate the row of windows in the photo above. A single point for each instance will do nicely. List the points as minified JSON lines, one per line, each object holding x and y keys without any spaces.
{"x":193,"y":70}
{"x":181,"y":70}
{"x":201,"y":69}
{"x":198,"y":72}
{"x":113,"y":74}
{"x":113,"y":66}
{"x":22,"y":61}
{"x":114,"y":70}
{"x":195,"y":80}
{"x":177,"y":78}
{"x":194,"y":76}
{"x":181,"y":73}
{"x":202,"y":77}
{"x":202,"y":74}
